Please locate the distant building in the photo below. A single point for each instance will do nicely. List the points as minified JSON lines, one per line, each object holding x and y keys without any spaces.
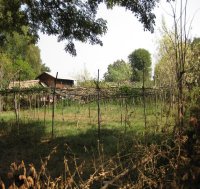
{"x":25,"y":84}
{"x":49,"y":80}
{"x":43,"y":80}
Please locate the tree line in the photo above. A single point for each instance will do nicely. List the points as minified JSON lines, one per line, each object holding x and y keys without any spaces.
{"x":137,"y":69}
{"x":20,"y":58}
{"x":22,"y":20}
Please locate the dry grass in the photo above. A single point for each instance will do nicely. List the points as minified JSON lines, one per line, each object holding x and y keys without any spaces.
{"x":168,"y":164}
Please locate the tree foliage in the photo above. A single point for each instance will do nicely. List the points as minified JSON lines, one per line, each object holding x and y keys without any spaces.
{"x":20,"y":59}
{"x":69,"y":20}
{"x":179,"y":64}
{"x":5,"y":69}
{"x":45,"y":68}
{"x":192,"y":75}
{"x":119,"y":71}
{"x":165,"y":69}
{"x":140,"y":61}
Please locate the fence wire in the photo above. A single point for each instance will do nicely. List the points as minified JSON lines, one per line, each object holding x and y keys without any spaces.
{"x":135,"y":110}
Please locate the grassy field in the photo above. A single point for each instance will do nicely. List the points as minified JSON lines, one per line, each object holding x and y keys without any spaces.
{"x":75,"y":133}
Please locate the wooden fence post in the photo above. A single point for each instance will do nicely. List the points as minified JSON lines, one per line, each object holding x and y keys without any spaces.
{"x":98,"y":110}
{"x":144,"y":103}
{"x":45,"y":108}
{"x":53,"y":106}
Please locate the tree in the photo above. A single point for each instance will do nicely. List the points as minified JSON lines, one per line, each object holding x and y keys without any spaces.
{"x":140,"y":61}
{"x":119,"y":71}
{"x":192,"y":76}
{"x":179,"y":39}
{"x":18,"y":53}
{"x":165,"y":70}
{"x":22,"y":70}
{"x":182,"y":59}
{"x":21,"y":47}
{"x":69,"y":20}
{"x":32,"y":54}
{"x":5,"y":70}
{"x":45,"y":68}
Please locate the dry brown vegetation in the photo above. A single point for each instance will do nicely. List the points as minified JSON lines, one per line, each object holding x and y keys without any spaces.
{"x":173,"y":163}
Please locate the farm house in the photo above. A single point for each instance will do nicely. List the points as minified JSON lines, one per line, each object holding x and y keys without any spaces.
{"x":49,"y":80}
{"x":44,"y":82}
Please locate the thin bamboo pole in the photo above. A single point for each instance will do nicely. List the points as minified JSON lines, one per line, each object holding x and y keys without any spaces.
{"x":53,"y":105}
{"x":144,"y":103}
{"x":98,"y":110}
{"x":45,"y":108}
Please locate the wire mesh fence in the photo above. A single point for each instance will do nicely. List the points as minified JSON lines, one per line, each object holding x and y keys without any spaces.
{"x":127,"y":110}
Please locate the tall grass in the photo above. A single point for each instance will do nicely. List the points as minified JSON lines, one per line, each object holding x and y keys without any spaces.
{"x":76,"y":125}
{"x":74,"y":118}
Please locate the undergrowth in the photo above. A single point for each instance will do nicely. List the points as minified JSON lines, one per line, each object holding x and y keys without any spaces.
{"x":155,"y":162}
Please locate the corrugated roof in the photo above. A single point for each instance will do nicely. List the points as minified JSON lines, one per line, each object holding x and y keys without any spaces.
{"x":60,"y":75}
{"x":25,"y":84}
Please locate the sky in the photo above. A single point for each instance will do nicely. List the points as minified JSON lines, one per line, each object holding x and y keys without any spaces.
{"x":125,"y":34}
